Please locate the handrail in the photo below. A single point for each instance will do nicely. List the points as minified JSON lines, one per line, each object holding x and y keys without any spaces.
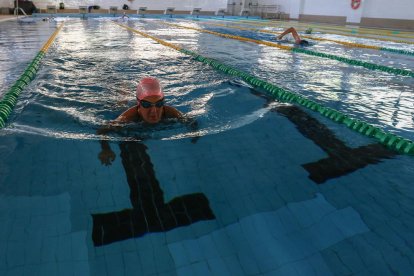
{"x":16,"y":11}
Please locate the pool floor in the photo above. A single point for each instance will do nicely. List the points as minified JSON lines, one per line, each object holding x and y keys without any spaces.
{"x":264,"y":188}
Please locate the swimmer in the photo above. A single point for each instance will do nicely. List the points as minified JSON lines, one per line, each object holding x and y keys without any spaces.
{"x":150,"y":106}
{"x":52,"y":18}
{"x":150,"y":109}
{"x":295,"y":35}
{"x":124,"y":16}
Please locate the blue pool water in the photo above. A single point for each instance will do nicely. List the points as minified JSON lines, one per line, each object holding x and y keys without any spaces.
{"x":259,"y":187}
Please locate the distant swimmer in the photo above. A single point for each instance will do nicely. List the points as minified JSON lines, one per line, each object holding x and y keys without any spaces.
{"x":124,"y":17}
{"x":52,"y":18}
{"x":298,"y":40}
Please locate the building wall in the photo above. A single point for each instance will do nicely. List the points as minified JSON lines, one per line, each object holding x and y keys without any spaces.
{"x":340,"y":11}
{"x":6,"y":3}
{"x":187,"y":5}
{"x":398,"y":9}
{"x":374,"y":10}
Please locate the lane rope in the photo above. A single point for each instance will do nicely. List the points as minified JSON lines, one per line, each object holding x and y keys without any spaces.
{"x":392,"y":141}
{"x":348,"y":44}
{"x":10,"y":97}
{"x":395,"y":34}
{"x":368,"y":65}
{"x":381,"y":32}
{"x":342,"y":34}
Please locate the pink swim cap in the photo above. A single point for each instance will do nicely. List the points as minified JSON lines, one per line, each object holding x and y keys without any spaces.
{"x":148,"y":86}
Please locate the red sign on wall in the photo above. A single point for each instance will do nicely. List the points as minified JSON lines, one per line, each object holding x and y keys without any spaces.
{"x":355,"y":4}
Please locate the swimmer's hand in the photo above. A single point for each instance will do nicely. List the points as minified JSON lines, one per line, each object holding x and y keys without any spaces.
{"x":192,"y":125}
{"x":108,"y":128}
{"x":107,"y":156}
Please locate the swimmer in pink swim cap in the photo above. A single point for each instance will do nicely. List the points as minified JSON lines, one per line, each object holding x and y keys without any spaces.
{"x":150,"y":106}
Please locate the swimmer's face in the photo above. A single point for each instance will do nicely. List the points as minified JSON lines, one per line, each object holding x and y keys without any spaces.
{"x":151,"y":109}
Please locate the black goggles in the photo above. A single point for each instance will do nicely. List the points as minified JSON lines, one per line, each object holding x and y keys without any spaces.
{"x":146,"y":104}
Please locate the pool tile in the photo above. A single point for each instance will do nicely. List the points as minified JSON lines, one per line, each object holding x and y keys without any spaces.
{"x":208,"y":247}
{"x":351,"y":223}
{"x":193,"y":251}
{"x":98,"y":266}
{"x":179,"y":254}
{"x":319,"y":265}
{"x":285,"y":270}
{"x":148,"y":261}
{"x":218,"y":267}
{"x":49,"y":269}
{"x":64,"y":248}
{"x":114,"y":264}
{"x":132,"y":263}
{"x":81,"y":268}
{"x":32,"y":251}
{"x":233,"y":265}
{"x":32,"y":270}
{"x":49,"y":249}
{"x":349,"y":256}
{"x":185,"y":271}
{"x":79,"y":249}
{"x":14,"y":257}
{"x":67,"y":268}
{"x":15,"y":271}
{"x":200,"y":268}
{"x":223,"y":244}
{"x":248,"y":264}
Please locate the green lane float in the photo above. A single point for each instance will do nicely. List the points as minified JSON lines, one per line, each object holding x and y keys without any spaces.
{"x":389,"y":140}
{"x":368,"y":65}
{"x":9,"y":99}
{"x":364,"y":64}
{"x":397,"y":51}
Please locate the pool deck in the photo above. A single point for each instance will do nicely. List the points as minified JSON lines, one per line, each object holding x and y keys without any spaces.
{"x":6,"y":17}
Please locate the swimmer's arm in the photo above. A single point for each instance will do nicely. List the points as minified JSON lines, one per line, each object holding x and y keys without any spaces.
{"x":130,"y":115}
{"x":171,"y":112}
{"x":107,"y":156}
{"x":191,"y":123}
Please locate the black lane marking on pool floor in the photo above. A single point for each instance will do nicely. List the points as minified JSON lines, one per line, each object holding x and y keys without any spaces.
{"x":150,"y":213}
{"x":341,"y":159}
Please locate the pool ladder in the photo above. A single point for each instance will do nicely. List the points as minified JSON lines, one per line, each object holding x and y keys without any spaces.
{"x":16,"y":11}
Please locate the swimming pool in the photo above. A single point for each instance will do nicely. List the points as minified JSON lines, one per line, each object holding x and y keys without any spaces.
{"x":258,"y":188}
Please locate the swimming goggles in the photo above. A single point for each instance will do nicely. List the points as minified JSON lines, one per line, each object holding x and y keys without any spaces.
{"x":146,"y":104}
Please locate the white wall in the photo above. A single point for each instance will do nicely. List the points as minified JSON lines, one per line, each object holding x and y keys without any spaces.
{"x":397,"y":9}
{"x":206,"y":5}
{"x":6,"y":3}
{"x":284,"y":4}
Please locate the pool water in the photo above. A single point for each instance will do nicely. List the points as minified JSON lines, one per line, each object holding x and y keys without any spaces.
{"x":257,"y":187}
